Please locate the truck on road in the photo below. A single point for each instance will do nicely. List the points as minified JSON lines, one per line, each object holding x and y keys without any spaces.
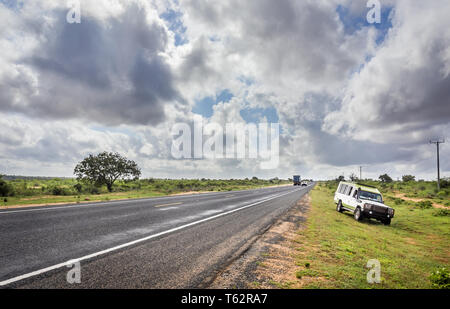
{"x":296,"y":180}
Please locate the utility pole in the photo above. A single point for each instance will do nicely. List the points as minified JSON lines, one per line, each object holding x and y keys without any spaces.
{"x":437,"y":142}
{"x":360,"y":173}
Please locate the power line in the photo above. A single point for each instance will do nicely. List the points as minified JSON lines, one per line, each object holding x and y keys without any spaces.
{"x":437,"y":142}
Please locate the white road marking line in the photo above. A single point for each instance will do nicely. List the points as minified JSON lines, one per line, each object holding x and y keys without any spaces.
{"x":128,"y":244}
{"x":171,"y":204}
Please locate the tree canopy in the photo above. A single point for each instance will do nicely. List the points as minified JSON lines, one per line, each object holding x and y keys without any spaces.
{"x":407,"y":178}
{"x":5,"y":188}
{"x":105,"y":168}
{"x":340,"y":178}
{"x":385,"y":178}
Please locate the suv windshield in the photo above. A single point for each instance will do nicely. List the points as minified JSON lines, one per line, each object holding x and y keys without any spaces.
{"x":370,"y":196}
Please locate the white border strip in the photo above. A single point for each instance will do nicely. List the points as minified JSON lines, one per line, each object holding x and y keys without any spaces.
{"x":90,"y":256}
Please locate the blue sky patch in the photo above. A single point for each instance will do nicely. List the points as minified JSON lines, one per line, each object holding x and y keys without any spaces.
{"x":246,"y":80}
{"x":256,"y":113}
{"x":354,"y":23}
{"x":12,"y":4}
{"x":204,"y":106}
{"x":173,"y":18}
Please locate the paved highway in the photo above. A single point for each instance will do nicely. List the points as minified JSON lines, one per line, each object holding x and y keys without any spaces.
{"x":167,"y":242}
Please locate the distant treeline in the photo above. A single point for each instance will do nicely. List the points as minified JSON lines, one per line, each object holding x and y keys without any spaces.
{"x":32,"y":186}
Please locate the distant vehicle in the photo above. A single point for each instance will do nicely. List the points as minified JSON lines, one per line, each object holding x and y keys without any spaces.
{"x":364,"y":201}
{"x":304,"y":183}
{"x":296,"y":180}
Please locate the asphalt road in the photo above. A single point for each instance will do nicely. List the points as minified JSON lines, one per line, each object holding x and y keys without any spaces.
{"x":167,"y":242}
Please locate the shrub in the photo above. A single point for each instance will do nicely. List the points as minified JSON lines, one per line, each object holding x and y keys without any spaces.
{"x":78,"y":187}
{"x":424,"y":205}
{"x":59,"y":191}
{"x":94,"y":190}
{"x":445,"y":183}
{"x":441,"y":213}
{"x":5,"y":188}
{"x":440,"y":279}
{"x":397,"y":201}
{"x":441,"y":195}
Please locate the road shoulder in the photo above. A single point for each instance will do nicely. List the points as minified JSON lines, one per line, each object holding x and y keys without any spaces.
{"x":269,"y":262}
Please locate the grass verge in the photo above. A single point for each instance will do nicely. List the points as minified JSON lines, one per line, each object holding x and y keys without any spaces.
{"x":334,"y":248}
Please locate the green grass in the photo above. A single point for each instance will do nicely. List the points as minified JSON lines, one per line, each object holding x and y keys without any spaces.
{"x":28,"y":191}
{"x":337,"y":248}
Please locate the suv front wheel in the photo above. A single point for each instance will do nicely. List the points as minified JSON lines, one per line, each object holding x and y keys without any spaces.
{"x":357,"y":214}
{"x":386,"y":221}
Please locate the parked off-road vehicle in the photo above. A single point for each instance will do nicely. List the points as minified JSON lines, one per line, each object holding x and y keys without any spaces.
{"x":364,"y":201}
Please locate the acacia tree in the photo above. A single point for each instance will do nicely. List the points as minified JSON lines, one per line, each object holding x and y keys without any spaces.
{"x":105,"y":168}
{"x":340,"y":178}
{"x":353,"y":177}
{"x":407,"y":178}
{"x":385,"y":178}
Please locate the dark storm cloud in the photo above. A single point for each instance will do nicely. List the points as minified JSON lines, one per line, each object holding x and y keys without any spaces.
{"x":105,"y":71}
{"x":195,"y":66}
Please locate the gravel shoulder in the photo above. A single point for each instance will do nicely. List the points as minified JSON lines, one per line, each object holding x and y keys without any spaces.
{"x":269,"y":262}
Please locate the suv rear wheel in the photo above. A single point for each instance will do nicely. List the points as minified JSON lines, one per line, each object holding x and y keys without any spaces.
{"x":339,"y":206}
{"x":357,"y":214}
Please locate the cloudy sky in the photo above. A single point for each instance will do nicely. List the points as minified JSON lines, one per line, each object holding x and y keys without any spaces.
{"x":345,"y":92}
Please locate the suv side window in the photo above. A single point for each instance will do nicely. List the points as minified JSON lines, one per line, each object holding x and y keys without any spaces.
{"x":350,"y":191}
{"x":344,"y":188}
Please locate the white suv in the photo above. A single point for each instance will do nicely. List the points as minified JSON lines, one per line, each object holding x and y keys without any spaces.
{"x":364,"y":201}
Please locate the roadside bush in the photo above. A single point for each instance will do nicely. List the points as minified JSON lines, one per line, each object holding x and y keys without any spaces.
{"x":440,"y":279}
{"x":441,"y":195}
{"x":397,"y":201}
{"x":5,"y":188}
{"x":424,"y":205}
{"x":445,"y":183}
{"x":60,"y":191}
{"x":441,"y":213}
{"x":78,"y":187}
{"x":94,"y":190}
